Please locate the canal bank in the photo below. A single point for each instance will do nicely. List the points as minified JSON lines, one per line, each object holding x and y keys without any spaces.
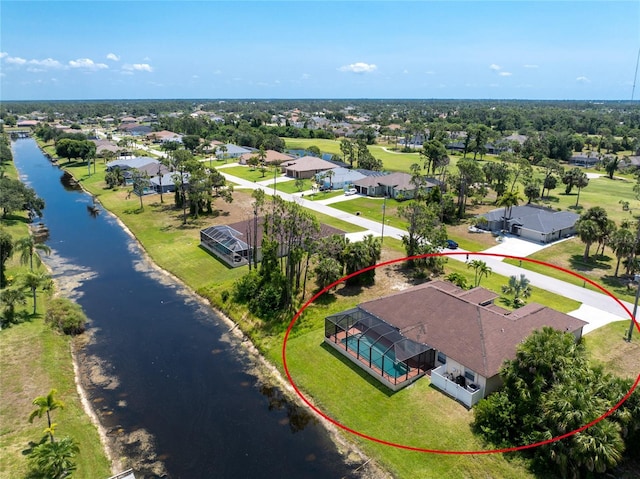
{"x":105,"y":409}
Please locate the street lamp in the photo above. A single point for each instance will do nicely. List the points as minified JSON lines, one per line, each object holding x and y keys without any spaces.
{"x":636,"y":278}
{"x":384,"y":210}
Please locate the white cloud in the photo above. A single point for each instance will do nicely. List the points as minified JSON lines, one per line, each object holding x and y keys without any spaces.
{"x":530,"y":66}
{"x":46,"y":63}
{"x":505,"y":74}
{"x":305,"y":76}
{"x":583,"y":79}
{"x":113,"y":57}
{"x":87,"y":64}
{"x":15,"y":60}
{"x":138,"y":67}
{"x":495,"y":67}
{"x":359,"y":67}
{"x":3,"y":54}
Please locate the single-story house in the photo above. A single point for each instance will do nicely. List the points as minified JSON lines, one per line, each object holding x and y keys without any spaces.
{"x":27,"y":123}
{"x":338,"y":178}
{"x":587,"y":160}
{"x":394,"y":185}
{"x":271,"y":157}
{"x":129,"y":163}
{"x":535,"y":223}
{"x":460,"y":336}
{"x":164,"y":136}
{"x":103,"y":146}
{"x":232,"y":151}
{"x":232,"y":243}
{"x":306,"y":167}
{"x":134,"y":129}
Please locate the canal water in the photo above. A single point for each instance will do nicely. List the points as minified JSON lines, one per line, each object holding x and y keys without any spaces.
{"x":164,"y":375}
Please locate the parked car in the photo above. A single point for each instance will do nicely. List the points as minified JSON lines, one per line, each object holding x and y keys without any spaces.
{"x":350,"y":191}
{"x":451,"y":244}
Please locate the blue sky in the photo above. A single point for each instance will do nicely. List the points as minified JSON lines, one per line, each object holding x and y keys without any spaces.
{"x":313,"y":49}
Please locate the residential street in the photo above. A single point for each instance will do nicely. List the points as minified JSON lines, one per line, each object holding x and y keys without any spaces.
{"x":597,"y":308}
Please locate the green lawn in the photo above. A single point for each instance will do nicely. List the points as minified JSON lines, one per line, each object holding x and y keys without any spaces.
{"x":292,"y":187}
{"x":248,"y":173}
{"x":371,"y":208}
{"x":569,"y":255}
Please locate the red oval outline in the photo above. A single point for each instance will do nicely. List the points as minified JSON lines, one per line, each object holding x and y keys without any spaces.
{"x":441,"y":451}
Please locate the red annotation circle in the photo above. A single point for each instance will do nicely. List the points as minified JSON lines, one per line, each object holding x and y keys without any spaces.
{"x":441,"y":451}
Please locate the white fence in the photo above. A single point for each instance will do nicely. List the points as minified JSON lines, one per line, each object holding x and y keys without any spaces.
{"x":460,"y":393}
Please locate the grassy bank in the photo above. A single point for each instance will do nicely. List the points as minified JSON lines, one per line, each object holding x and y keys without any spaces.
{"x":33,"y":361}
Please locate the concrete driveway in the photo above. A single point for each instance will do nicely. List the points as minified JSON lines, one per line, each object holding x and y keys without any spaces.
{"x":515,"y":246}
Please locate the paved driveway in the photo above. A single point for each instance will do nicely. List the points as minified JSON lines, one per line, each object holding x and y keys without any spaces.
{"x":515,"y":246}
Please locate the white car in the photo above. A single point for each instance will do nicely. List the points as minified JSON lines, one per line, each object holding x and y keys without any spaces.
{"x":350,"y":191}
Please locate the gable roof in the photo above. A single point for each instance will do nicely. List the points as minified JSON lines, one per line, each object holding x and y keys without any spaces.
{"x":450,"y":320}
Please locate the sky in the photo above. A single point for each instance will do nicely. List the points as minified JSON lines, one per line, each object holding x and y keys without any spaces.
{"x":449,"y":49}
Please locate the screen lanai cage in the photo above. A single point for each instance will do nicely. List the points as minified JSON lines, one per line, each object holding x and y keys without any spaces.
{"x":384,"y":352}
{"x":226,"y":243}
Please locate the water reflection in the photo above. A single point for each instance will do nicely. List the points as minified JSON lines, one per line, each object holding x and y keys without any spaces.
{"x":69,"y":182}
{"x":297,"y":417}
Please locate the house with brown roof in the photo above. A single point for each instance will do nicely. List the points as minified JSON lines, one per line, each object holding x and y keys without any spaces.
{"x":460,"y":337}
{"x":272,"y":157}
{"x":164,"y":136}
{"x":306,"y":167}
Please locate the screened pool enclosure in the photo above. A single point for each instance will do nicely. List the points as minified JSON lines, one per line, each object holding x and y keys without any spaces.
{"x":378,"y":347}
{"x":226,"y":243}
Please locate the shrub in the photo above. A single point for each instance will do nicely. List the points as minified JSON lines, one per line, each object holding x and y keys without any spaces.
{"x":65,"y":316}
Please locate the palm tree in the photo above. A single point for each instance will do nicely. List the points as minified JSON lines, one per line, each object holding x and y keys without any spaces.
{"x":33,"y":281}
{"x":508,"y":200}
{"x":622,"y":243}
{"x":519,"y":288}
{"x":46,"y":404}
{"x":588,"y":232}
{"x":28,"y":248}
{"x":329,"y":174}
{"x":54,"y":460}
{"x":11,"y":297}
{"x":223,"y":149}
{"x":480,"y":269}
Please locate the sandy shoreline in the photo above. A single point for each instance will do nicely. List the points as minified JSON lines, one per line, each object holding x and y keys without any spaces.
{"x":265,"y":371}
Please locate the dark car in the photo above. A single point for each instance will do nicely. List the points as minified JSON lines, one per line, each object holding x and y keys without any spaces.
{"x":451,"y":244}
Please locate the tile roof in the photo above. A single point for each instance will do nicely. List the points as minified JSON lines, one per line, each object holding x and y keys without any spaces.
{"x":478,"y":337}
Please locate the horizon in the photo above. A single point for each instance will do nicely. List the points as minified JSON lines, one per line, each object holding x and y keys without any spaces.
{"x":336,"y":50}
